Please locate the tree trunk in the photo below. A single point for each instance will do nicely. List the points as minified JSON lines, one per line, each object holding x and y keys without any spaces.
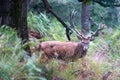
{"x":85,"y":18}
{"x":14,"y":14}
{"x":23,"y":29}
{"x":4,"y":12}
{"x":20,"y":19}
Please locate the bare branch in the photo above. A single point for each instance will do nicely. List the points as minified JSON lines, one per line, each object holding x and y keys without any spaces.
{"x":49,"y":10}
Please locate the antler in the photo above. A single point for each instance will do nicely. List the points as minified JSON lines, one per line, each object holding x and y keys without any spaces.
{"x":73,"y":25}
{"x":101,"y":26}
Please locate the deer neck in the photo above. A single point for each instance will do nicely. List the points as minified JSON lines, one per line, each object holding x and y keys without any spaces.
{"x":80,"y":51}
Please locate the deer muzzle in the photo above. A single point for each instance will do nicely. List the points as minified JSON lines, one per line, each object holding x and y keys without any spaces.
{"x":85,"y":46}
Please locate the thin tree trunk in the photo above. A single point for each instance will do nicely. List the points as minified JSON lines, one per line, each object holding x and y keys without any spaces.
{"x":14,"y":13}
{"x":23,"y":29}
{"x":19,"y":16}
{"x":85,"y":21}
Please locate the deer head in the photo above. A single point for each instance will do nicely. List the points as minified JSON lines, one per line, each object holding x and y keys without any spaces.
{"x":85,"y":40}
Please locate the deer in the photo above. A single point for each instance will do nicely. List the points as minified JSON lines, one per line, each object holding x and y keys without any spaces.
{"x":68,"y":51}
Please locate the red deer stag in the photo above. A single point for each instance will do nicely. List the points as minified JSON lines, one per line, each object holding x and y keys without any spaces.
{"x":68,"y":51}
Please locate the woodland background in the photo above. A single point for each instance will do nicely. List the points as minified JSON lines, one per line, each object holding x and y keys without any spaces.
{"x":18,"y":17}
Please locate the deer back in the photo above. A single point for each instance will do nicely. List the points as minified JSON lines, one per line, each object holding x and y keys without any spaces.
{"x":63,"y":50}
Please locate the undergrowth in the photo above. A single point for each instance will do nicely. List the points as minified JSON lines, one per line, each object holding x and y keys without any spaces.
{"x":11,"y":53}
{"x":102,"y":57}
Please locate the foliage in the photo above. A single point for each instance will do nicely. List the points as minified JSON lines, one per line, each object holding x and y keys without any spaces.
{"x":98,"y":61}
{"x":108,"y":16}
{"x":49,"y":28}
{"x":7,"y":38}
{"x":37,"y":22}
{"x":114,"y":42}
{"x":97,"y":11}
{"x":102,"y":57}
{"x":108,"y":3}
{"x":11,"y":54}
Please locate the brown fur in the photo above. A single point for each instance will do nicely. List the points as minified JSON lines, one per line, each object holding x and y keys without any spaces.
{"x":67,"y":51}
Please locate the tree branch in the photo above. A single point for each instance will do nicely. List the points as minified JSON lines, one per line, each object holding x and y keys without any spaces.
{"x":49,"y":10}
